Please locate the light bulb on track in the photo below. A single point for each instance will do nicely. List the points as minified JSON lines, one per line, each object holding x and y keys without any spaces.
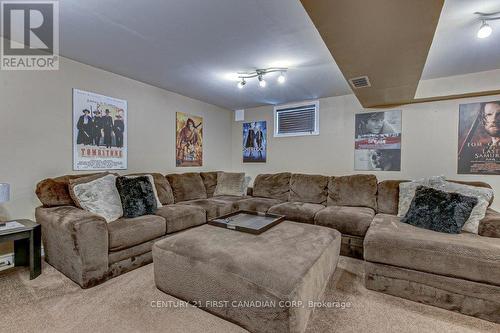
{"x":484,"y":31}
{"x":281,"y":78}
{"x":262,"y":82}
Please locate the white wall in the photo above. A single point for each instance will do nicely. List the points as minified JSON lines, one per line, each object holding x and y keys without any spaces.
{"x":429,"y":142}
{"x":459,"y":84}
{"x":36,"y":127}
{"x":36,"y":132}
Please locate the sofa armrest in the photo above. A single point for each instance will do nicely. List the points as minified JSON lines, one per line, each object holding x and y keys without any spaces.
{"x":75,"y":242}
{"x":489,"y":226}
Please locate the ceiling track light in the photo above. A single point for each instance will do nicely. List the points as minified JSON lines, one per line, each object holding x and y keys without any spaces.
{"x":485,"y":29}
{"x":260,"y":73}
{"x":242,"y":83}
{"x":262,"y":82}
{"x":281,"y":78}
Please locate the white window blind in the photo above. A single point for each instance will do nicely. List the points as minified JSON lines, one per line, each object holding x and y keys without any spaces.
{"x":298,"y":119}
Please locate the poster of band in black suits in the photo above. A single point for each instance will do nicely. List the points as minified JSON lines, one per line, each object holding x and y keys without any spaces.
{"x":377,"y":140}
{"x":99,"y":132}
{"x":254,"y":142}
{"x":479,"y":138}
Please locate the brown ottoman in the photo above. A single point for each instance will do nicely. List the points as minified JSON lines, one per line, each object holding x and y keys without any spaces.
{"x":264,"y":283}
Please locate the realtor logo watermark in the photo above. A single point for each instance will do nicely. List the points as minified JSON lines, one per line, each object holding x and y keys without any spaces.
{"x":30,"y":31}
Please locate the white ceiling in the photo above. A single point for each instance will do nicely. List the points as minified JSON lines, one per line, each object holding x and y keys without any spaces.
{"x":455,"y":48}
{"x":194,"y":47}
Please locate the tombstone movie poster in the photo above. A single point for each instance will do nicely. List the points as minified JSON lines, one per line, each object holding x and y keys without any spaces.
{"x":479,"y":138}
{"x":189,"y":140}
{"x":254,"y":142}
{"x":99,"y":132}
{"x":377,"y":140}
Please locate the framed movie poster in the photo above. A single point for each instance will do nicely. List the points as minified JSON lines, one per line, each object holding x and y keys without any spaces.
{"x":99,"y":132}
{"x":377,"y":142}
{"x":479,"y":138}
{"x":254,"y":142}
{"x":189,"y":140}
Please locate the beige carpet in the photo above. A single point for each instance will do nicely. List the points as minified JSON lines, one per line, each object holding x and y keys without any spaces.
{"x":53,"y":303}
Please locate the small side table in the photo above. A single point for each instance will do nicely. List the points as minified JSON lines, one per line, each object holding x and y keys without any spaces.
{"x":27,"y":245}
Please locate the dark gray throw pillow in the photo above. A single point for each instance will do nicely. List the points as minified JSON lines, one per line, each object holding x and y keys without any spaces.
{"x":137,"y":196}
{"x":438,"y":210}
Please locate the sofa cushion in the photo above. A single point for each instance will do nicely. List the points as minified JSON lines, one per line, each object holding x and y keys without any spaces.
{"x":180,"y":217}
{"x":210,"y":181}
{"x":162,"y":186}
{"x":348,"y":220}
{"x":187,"y":186}
{"x":124,"y":233}
{"x":255,"y":204}
{"x":388,"y":196}
{"x":130,"y":255}
{"x":230,"y":183}
{"x":354,"y":190}
{"x":213,"y":208}
{"x":490,"y":225}
{"x":274,"y":186}
{"x":308,"y":188}
{"x":297,"y":211}
{"x":228,"y":198}
{"x":54,"y":192}
{"x":466,"y":255}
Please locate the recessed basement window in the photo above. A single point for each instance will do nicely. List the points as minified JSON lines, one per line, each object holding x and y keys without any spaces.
{"x":296,"y":119}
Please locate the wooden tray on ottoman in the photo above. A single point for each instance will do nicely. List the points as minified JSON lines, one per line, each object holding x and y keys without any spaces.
{"x":247,"y":221}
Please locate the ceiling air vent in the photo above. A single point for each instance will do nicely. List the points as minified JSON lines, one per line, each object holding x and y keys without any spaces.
{"x":360,"y":82}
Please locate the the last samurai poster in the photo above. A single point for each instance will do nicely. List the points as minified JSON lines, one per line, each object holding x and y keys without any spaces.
{"x":479,"y":138}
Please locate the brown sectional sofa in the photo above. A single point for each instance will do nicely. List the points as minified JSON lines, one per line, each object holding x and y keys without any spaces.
{"x":90,"y":251}
{"x":346,"y":203}
{"x":457,"y":272}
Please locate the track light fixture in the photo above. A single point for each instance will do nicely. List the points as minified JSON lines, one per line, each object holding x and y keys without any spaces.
{"x":281,"y":78}
{"x":262,"y":82}
{"x":260,"y":73}
{"x":485,"y":30}
{"x":242,"y":83}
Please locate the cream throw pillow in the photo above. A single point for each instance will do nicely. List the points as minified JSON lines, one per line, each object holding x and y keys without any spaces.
{"x":407,"y":192}
{"x":483,"y":196}
{"x":248,"y":179}
{"x":99,"y":196}
{"x":152,"y":181}
{"x":230,"y":183}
